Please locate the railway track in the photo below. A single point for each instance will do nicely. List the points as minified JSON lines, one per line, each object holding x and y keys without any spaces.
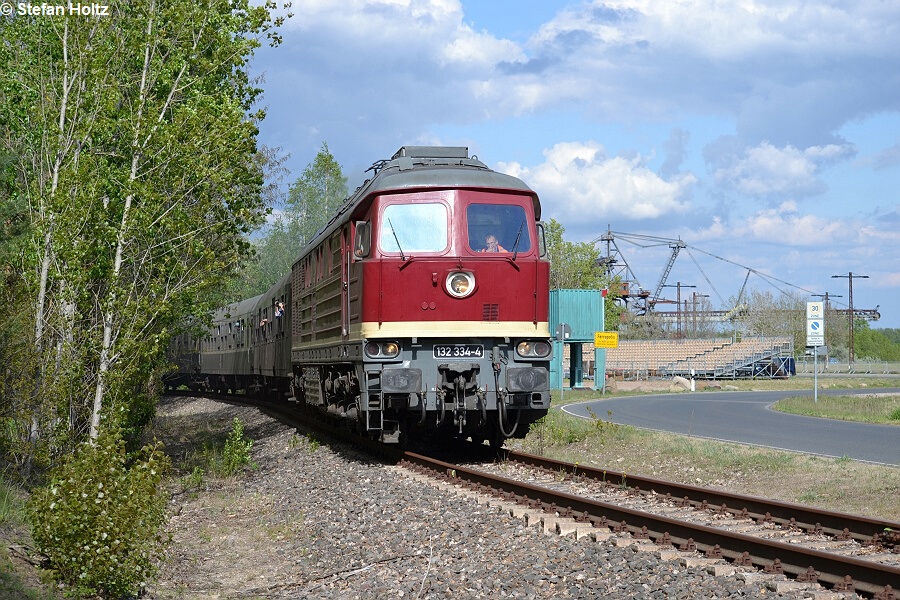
{"x":874,"y":574}
{"x":846,"y":553}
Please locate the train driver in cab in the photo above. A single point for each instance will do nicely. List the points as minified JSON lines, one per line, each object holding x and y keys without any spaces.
{"x":492,"y":245}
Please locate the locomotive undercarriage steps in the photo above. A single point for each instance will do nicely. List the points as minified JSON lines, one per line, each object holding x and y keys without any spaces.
{"x":387,"y":430}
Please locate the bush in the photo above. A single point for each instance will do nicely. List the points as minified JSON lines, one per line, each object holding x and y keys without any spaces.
{"x":100,"y":519}
{"x":237,"y":449}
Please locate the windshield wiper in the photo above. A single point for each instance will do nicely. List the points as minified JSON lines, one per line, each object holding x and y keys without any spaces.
{"x":402,"y":256}
{"x":518,"y":237}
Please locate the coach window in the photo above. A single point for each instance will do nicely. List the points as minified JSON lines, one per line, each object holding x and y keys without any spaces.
{"x":505,"y":223}
{"x":408,"y":228}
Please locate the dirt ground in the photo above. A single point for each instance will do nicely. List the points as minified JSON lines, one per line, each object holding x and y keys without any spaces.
{"x":203,"y":520}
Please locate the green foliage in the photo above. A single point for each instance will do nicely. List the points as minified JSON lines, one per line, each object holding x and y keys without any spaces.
{"x":129,"y":179}
{"x":559,"y":429}
{"x":317,"y":194}
{"x":874,"y":344}
{"x":895,"y":415}
{"x":603,"y":427}
{"x":194,"y":480}
{"x":236,"y":453}
{"x":574,"y":266}
{"x":308,"y":442}
{"x":100,"y":518}
{"x":764,"y":314}
{"x":890,"y":333}
{"x":312,"y":200}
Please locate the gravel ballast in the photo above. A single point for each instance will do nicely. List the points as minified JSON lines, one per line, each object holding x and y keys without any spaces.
{"x":315,"y":520}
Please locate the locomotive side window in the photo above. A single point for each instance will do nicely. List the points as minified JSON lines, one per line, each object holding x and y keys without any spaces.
{"x":362,"y":242}
{"x":498,"y":228}
{"x":414,"y":228}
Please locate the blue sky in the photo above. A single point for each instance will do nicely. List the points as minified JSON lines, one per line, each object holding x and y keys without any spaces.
{"x":766,"y":133}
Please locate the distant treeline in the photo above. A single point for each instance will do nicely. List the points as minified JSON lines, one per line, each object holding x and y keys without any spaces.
{"x":892,"y":334}
{"x":877,"y":344}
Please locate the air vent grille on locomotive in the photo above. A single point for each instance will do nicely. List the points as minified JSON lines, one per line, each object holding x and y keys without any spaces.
{"x":490,"y":312}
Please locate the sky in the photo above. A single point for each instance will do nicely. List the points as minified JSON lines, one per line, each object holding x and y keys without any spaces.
{"x":763,"y":134}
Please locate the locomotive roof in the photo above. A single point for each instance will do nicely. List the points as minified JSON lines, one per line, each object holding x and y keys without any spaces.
{"x":426,"y":167}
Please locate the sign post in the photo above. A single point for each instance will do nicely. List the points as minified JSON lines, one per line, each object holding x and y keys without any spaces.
{"x":563,"y":332}
{"x":604,"y":339}
{"x":815,"y":337}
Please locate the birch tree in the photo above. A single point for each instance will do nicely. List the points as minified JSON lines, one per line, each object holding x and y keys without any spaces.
{"x":137,"y":162}
{"x":312,"y":199}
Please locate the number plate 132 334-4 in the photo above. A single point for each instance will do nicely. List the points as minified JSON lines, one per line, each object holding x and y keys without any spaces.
{"x":459,"y":351}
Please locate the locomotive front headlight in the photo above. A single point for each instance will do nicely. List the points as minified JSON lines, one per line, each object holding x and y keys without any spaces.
{"x":460,"y":284}
{"x":382,"y":349}
{"x":533,"y":349}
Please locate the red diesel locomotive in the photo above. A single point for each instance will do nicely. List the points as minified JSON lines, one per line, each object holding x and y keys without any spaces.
{"x":420,"y":309}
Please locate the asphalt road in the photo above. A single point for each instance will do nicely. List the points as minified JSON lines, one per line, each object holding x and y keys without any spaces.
{"x":746,"y":417}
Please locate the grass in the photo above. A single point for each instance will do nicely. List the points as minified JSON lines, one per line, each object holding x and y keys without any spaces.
{"x":13,"y":586}
{"x":866,"y":408}
{"x":17,"y":582}
{"x":661,"y":386}
{"x":203,"y":447}
{"x":12,"y":511}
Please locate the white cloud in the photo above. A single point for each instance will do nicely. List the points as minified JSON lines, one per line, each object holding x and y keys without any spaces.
{"x":402,"y":31}
{"x":765,"y":170}
{"x":730,"y":29}
{"x":579,"y":181}
{"x":870,"y":233}
{"x":785,"y":225}
{"x":717,"y":230}
{"x":471,"y":47}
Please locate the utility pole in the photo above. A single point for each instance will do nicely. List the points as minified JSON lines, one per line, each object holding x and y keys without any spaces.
{"x":678,"y":313}
{"x":827,"y":307}
{"x":852,"y":318}
{"x":694,"y":325}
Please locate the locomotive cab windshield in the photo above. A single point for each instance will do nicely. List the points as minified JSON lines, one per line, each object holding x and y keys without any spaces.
{"x":420,"y":227}
{"x":497,"y":228}
{"x":456,"y":224}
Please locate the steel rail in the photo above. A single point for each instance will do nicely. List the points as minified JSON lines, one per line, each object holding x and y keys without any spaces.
{"x":861,"y":528}
{"x":868,"y":577}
